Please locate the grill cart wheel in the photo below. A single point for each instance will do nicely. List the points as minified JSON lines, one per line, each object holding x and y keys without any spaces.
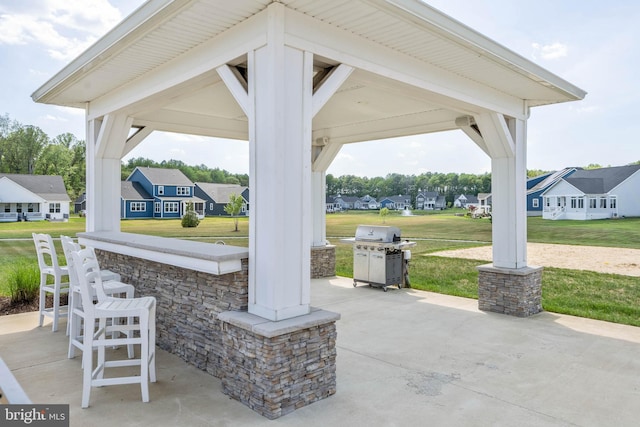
{"x":354,"y":283}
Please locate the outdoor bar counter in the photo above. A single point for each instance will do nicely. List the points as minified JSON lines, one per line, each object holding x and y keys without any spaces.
{"x":199,"y":256}
{"x":202,"y":301}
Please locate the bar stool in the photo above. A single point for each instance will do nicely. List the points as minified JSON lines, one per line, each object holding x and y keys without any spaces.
{"x":49,"y":266}
{"x":87,"y":269}
{"x":112,"y":287}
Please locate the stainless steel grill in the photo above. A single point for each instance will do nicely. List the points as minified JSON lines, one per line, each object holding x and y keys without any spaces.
{"x":380,"y":257}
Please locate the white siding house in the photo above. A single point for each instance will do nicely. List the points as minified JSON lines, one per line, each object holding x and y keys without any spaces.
{"x":33,"y":198}
{"x":594,"y":194}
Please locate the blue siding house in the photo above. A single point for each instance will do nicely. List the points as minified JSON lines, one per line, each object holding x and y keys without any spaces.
{"x":158,"y":193}
{"x":216,"y":197}
{"x":539,"y":184}
{"x":396,"y":202}
{"x":135,"y":202}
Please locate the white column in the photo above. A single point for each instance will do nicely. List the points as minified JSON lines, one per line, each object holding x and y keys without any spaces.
{"x":509,"y":197}
{"x":323,"y":155}
{"x":505,"y":140}
{"x":319,"y":208}
{"x":105,"y":144}
{"x":280,"y":93}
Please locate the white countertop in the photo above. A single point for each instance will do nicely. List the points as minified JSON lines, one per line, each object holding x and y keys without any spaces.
{"x":207,"y":257}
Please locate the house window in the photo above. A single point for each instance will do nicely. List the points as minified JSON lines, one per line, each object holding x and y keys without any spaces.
{"x":138,"y":207}
{"x":580,"y":203}
{"x":30,"y":207}
{"x":7,"y":207}
{"x":54,"y":207}
{"x":613,"y":202}
{"x":160,"y":190}
{"x":19,"y":207}
{"x":183,"y":191}
{"x":603,"y":203}
{"x":156,"y":207}
{"x":547,"y":201}
{"x":592,"y":202}
{"x":574,"y":202}
{"x":535,"y":203}
{"x":210,"y":206}
{"x":171,"y":207}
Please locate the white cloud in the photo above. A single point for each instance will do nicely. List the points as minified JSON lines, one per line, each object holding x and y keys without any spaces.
{"x":588,"y":109}
{"x":55,"y":118}
{"x":63,"y":28}
{"x":550,"y":51}
{"x":68,"y":110}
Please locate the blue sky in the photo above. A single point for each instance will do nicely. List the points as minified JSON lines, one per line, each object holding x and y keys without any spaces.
{"x":591,"y":43}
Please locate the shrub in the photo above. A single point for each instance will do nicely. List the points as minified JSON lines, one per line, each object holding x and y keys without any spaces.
{"x":24,"y":282}
{"x":190,"y":218}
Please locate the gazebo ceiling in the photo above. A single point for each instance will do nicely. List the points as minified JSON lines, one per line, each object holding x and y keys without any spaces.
{"x":416,"y":69}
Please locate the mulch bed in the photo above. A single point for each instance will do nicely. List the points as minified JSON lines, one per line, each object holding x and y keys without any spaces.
{"x":6,"y":307}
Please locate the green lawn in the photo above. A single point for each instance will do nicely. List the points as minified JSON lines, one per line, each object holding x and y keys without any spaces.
{"x":608,"y":297}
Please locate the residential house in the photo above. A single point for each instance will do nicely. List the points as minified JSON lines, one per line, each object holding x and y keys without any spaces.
{"x":346,"y":202}
{"x":135,"y":201}
{"x":216,"y":197}
{"x":399,"y":202}
{"x":539,"y":184}
{"x":33,"y":198}
{"x":430,"y":200}
{"x":465,"y":201}
{"x":169,"y":189}
{"x":332,"y":204}
{"x":80,"y":204}
{"x":594,"y":194}
{"x":484,"y":203}
{"x":366,"y":202}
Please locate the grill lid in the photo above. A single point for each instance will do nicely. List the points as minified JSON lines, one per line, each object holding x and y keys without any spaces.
{"x":377,"y":233}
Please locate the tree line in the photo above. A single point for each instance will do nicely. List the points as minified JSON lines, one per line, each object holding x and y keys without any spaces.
{"x":26,"y":149}
{"x":394,"y":184}
{"x":199,"y":173}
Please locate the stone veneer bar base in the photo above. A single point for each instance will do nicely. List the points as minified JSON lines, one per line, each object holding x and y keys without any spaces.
{"x":277,"y":367}
{"x":516,"y":292}
{"x":323,"y":261}
{"x":188,"y":303}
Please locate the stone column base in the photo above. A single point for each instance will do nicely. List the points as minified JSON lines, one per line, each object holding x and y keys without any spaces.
{"x":516,"y":292}
{"x":277,"y":367}
{"x":323,"y":261}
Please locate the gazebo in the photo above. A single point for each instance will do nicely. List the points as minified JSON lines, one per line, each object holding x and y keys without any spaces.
{"x":298,"y":79}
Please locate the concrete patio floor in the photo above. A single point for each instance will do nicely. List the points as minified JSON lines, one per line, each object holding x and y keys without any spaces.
{"x":405,"y":358}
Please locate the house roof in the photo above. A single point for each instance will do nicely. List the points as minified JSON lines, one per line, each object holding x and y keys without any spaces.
{"x":551,"y":178}
{"x":81,"y":198}
{"x":133,"y":191}
{"x":470,"y":198}
{"x":220,"y":193}
{"x":49,"y":187}
{"x":415,"y":69}
{"x":396,"y":199}
{"x":348,"y":199}
{"x":162,"y":176}
{"x":601,"y":181}
{"x":429,"y":194}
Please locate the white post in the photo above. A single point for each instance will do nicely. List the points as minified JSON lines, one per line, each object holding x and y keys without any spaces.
{"x":509,"y":196}
{"x":280,"y":94}
{"x":319,"y":208}
{"x":105,"y":144}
